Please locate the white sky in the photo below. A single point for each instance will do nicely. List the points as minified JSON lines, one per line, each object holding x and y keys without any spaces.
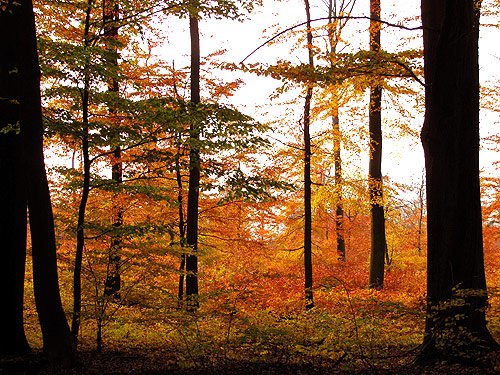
{"x":403,"y":158}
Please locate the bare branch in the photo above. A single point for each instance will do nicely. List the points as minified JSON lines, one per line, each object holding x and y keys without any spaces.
{"x":327,"y":18}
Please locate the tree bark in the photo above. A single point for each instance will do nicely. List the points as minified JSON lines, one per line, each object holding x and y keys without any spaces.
{"x":308,"y":282}
{"x":57,"y":343}
{"x":113,"y":278}
{"x":334,"y":30}
{"x":378,"y":240}
{"x":456,"y":286}
{"x":194,"y":172}
{"x":80,"y":231}
{"x":13,"y":219}
{"x":335,"y":27}
{"x":181,"y":226}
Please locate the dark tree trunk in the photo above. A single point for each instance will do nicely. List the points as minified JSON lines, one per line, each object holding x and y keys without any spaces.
{"x":456,"y":287}
{"x":421,"y":207}
{"x":181,"y":226}
{"x":194,"y":172}
{"x":113,"y":278}
{"x":307,"y":174}
{"x":80,"y":231}
{"x":12,"y":191}
{"x":57,"y":343}
{"x":378,"y":241}
{"x":339,"y":206}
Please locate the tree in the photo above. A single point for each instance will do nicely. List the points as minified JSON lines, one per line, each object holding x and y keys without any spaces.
{"x":111,"y":17}
{"x":195,"y":10}
{"x":308,"y":282}
{"x":85,"y":133}
{"x":194,"y":171}
{"x":335,"y":27}
{"x":26,"y":133}
{"x":456,"y":286}
{"x":378,"y":241}
{"x":83,"y":109}
{"x":13,"y":199}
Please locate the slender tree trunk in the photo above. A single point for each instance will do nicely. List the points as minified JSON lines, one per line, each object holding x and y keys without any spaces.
{"x":194,"y":172}
{"x":421,"y":207}
{"x":113,"y":278}
{"x":339,"y":207}
{"x":80,"y":231}
{"x":335,"y":28}
{"x":307,"y":175}
{"x":181,"y":226}
{"x":456,"y":286}
{"x":12,"y":189}
{"x":33,"y":189}
{"x":378,"y":241}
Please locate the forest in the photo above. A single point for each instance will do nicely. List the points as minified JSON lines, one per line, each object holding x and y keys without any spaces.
{"x":249,"y":187}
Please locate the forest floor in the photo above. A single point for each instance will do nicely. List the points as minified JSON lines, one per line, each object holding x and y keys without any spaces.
{"x":257,"y":324}
{"x":139,"y":363}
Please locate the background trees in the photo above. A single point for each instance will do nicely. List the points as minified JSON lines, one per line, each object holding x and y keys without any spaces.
{"x":120,"y":88}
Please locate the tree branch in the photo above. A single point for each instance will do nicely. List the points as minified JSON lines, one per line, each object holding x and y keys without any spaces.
{"x":328,"y":18}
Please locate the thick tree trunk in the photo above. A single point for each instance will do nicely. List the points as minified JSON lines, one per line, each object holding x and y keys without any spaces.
{"x":12,"y":223}
{"x":456,"y":287}
{"x":378,"y":241}
{"x":194,"y":173}
{"x":57,"y":343}
{"x":80,"y":231}
{"x":12,"y":191}
{"x":307,"y":175}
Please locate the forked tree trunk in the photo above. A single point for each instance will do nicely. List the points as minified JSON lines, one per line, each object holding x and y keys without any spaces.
{"x":456,"y":287}
{"x":57,"y":344}
{"x":378,"y":240}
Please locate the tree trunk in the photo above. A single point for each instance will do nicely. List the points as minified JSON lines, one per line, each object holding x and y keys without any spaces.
{"x":456,"y":286}
{"x":113,"y":278}
{"x":335,"y":27}
{"x":378,"y":241}
{"x":181,"y":226}
{"x":307,"y":174}
{"x":57,"y":343}
{"x":12,"y":191}
{"x":421,"y":207}
{"x":339,"y":206}
{"x":80,"y":231}
{"x":194,"y":172}
{"x":334,"y":31}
